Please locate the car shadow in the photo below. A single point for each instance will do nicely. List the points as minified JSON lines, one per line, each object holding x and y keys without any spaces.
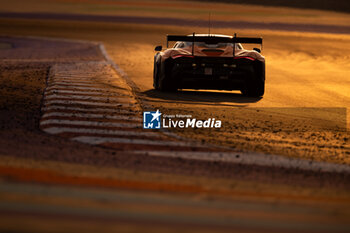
{"x":205,"y":97}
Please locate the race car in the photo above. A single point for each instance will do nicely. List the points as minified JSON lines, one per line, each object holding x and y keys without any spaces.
{"x":210,"y":61}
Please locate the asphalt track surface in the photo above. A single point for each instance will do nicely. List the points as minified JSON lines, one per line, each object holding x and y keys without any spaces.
{"x":58,"y":193}
{"x":79,"y":105}
{"x":183,"y":22}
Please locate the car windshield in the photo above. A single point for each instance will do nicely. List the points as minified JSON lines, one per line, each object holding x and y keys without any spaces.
{"x":182,"y":44}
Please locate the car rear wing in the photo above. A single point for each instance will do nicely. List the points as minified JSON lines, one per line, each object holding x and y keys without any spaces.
{"x":215,"y":40}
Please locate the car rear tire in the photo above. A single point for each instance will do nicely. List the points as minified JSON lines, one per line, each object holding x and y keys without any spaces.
{"x":254,"y":89}
{"x":255,"y":85}
{"x":166,"y":85}
{"x":166,"y":82}
{"x":156,"y":76}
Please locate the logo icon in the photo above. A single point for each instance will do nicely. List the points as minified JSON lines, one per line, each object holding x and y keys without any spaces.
{"x":151,"y":120}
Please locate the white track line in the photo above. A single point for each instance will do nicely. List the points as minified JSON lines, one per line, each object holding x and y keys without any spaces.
{"x":76,"y":77}
{"x":79,"y":78}
{"x":89,"y":123}
{"x":75,"y":84}
{"x":84,"y":97}
{"x":101,"y":140}
{"x":80,"y":84}
{"x":76,"y":109}
{"x":74,"y":74}
{"x":252,"y":159}
{"x":76,"y":80}
{"x":69,"y":81}
{"x":89,"y":90}
{"x":71,"y":72}
{"x":98,"y":93}
{"x":57,"y":130}
{"x":81,"y":88}
{"x":87,"y":103}
{"x":81,"y":81}
{"x":89,"y":115}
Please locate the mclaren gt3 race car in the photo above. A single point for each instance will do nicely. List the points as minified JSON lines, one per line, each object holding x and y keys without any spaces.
{"x":218,"y":62}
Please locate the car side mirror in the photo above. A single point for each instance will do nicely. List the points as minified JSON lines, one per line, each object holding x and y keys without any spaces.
{"x":258,"y":50}
{"x":158,"y":48}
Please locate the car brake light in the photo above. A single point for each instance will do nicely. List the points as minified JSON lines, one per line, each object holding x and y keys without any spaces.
{"x":249,"y":58}
{"x":181,"y":55}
